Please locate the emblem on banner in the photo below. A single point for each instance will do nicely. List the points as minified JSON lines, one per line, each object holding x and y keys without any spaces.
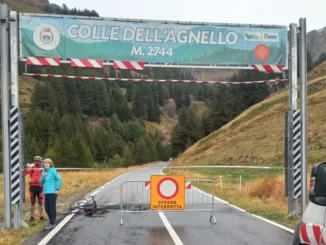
{"x":46,"y":37}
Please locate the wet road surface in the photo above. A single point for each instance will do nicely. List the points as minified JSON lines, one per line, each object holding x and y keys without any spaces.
{"x":191,"y":228}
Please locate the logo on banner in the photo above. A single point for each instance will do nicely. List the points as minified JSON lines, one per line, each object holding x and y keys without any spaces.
{"x":271,"y":37}
{"x":46,"y":37}
{"x":252,"y":36}
{"x":262,"y":52}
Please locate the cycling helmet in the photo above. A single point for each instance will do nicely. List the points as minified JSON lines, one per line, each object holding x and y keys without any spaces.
{"x":38,"y":158}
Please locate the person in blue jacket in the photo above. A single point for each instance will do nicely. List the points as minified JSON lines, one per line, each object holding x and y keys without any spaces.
{"x":52,"y":183}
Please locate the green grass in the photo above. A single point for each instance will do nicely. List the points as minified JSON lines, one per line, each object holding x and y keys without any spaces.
{"x":254,"y":206}
{"x":232,"y":174}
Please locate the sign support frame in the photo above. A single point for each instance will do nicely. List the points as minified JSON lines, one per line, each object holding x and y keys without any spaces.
{"x":292,"y":59}
{"x":5,"y":114}
{"x":303,"y":75}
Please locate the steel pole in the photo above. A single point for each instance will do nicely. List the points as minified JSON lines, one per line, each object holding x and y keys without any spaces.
{"x":303,"y":72}
{"x":5,"y":114}
{"x":293,"y":82}
{"x":15,"y":99}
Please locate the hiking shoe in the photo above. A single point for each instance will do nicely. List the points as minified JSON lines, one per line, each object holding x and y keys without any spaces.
{"x":42,"y":218}
{"x":31,"y":219}
{"x":49,"y":227}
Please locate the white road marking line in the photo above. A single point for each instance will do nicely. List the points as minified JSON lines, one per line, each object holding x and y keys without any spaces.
{"x":49,"y":236}
{"x":170,"y":229}
{"x":240,"y":209}
{"x":102,"y":188}
{"x":273,"y":223}
{"x":55,"y":230}
{"x":95,"y":193}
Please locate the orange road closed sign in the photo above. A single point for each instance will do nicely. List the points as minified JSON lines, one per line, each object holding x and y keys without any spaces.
{"x":167,"y":192}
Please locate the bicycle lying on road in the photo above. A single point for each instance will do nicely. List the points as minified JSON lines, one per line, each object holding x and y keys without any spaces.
{"x":89,"y":207}
{"x":83,"y":205}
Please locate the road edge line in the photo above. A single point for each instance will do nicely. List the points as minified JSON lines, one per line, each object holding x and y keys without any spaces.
{"x":61,"y":224}
{"x":49,"y":236}
{"x":242,"y":210}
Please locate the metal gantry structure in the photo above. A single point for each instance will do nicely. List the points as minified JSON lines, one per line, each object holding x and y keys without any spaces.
{"x":12,"y":126}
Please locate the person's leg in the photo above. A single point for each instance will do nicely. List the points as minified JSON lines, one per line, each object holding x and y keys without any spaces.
{"x":50,"y":200}
{"x":53,"y":202}
{"x":40,"y":207}
{"x":40,"y":202}
{"x":47,"y":206}
{"x":47,"y":210}
{"x":33,"y":200}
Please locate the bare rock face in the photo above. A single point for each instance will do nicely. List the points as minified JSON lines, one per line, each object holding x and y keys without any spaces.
{"x":316,"y":43}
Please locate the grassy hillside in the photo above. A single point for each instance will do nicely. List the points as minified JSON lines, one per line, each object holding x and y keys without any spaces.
{"x":257,"y":135}
{"x":26,"y":88}
{"x":164,"y":128}
{"x":26,"y":6}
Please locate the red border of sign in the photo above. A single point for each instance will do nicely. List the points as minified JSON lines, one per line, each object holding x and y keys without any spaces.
{"x":176,"y":190}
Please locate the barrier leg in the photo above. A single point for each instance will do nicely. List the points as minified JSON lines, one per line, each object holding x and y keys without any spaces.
{"x":213,"y":219}
{"x":121,"y":221}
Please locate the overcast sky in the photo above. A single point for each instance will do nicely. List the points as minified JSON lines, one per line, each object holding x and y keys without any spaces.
{"x":279,"y":12}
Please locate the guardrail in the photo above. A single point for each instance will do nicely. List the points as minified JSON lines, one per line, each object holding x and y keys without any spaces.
{"x":172,"y":167}
{"x":85,"y":169}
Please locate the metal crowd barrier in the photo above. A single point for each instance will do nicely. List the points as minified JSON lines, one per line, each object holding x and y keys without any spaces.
{"x":135,"y":197}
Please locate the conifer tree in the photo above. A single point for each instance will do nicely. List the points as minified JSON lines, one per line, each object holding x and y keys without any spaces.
{"x":139,"y":107}
{"x":128,"y":158}
{"x":81,"y":155}
{"x":151,"y":151}
{"x":139,"y":152}
{"x":62,"y":153}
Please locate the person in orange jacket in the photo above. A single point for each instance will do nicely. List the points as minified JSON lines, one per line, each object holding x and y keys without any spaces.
{"x":35,"y":188}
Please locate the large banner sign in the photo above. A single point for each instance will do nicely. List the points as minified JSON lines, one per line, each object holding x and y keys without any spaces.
{"x":66,"y":38}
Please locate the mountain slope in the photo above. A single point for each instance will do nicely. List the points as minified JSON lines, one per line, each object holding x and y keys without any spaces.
{"x":316,"y":43}
{"x":257,"y":135}
{"x":27,"y":6}
{"x":169,"y":119}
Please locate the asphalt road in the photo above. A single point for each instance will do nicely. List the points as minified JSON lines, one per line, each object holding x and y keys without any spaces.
{"x":189,"y":228}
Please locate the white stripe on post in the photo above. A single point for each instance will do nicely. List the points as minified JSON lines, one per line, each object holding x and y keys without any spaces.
{"x":137,"y":66}
{"x":78,"y":62}
{"x":297,"y":153}
{"x":52,"y":62}
{"x":95,"y":64}
{"x":311,"y":235}
{"x":35,"y":61}
{"x":14,"y":155}
{"x":120,"y":64}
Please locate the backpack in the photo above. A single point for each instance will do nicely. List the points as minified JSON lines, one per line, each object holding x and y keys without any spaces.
{"x":35,"y":176}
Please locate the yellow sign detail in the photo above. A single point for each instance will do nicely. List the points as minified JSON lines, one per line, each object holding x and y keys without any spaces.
{"x":167,"y":192}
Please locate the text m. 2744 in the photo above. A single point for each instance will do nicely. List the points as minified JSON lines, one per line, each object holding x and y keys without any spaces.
{"x":151,"y":51}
